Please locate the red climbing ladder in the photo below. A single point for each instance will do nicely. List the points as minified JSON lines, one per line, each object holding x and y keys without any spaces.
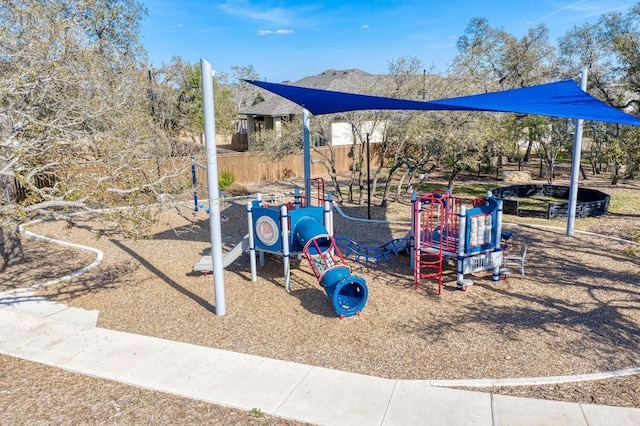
{"x":435,"y":227}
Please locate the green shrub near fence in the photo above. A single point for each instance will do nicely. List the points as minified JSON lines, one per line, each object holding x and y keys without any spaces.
{"x":225,"y":179}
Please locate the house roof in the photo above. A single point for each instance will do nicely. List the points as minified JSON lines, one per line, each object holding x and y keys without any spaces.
{"x":352,"y":81}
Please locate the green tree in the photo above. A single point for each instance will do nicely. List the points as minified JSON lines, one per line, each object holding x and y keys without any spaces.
{"x":177,"y":100}
{"x":491,"y":59}
{"x":282,"y":141}
{"x":609,"y":48}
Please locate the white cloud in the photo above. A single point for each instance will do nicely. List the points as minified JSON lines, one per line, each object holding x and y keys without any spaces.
{"x":245,"y":9}
{"x":259,"y":11}
{"x":565,"y":8}
{"x":365,"y":26}
{"x":274,"y":32}
{"x":588,"y":9}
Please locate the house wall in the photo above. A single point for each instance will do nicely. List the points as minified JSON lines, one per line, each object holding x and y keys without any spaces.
{"x":341,"y":133}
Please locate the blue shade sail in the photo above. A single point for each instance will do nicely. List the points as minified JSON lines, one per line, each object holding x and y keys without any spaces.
{"x":559,"y":99}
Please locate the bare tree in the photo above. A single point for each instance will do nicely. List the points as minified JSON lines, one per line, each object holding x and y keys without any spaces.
{"x":245,"y":94}
{"x":76,"y":134}
{"x":405,"y":146}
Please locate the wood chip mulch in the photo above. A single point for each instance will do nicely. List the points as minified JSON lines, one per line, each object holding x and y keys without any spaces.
{"x":577,"y":311}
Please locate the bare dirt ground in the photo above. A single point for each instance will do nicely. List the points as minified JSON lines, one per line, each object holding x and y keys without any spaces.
{"x":35,"y":394}
{"x":576,"y":312}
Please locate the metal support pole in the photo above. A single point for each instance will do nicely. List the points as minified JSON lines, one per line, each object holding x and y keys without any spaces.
{"x":497,"y":236}
{"x":212,"y":182}
{"x":575,"y":162}
{"x":327,"y":215}
{"x":412,"y":233}
{"x":462,"y":232}
{"x":252,"y":242}
{"x":284,"y":225}
{"x":195,"y":183}
{"x":368,"y":180}
{"x":307,"y":154}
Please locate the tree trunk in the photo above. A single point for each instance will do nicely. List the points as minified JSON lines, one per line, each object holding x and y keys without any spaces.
{"x":354,"y":167}
{"x":452,"y":178}
{"x":387,"y":187}
{"x":376,"y":174}
{"x":584,"y":174}
{"x":362,"y":172}
{"x":11,"y":248}
{"x":10,"y":242}
{"x":399,"y":187}
{"x":527,"y":154}
{"x":329,"y":163}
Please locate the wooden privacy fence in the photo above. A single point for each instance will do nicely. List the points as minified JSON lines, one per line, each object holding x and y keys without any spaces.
{"x":250,"y":167}
{"x":246,"y":167}
{"x":41,"y":181}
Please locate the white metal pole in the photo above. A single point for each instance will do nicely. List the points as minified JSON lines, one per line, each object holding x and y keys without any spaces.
{"x":252,"y":243}
{"x":462,"y":231}
{"x":212,"y":182}
{"x":284,"y":225}
{"x":307,"y":155}
{"x":328,"y":217}
{"x":497,"y":235}
{"x":413,"y":234}
{"x":575,"y":162}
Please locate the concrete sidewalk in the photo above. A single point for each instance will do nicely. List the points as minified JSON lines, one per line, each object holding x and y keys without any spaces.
{"x":284,"y":389}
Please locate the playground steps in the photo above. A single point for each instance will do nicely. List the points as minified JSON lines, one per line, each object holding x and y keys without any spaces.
{"x":205,"y":265}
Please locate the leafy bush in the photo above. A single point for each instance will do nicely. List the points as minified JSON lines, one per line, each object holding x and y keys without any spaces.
{"x":225,"y":179}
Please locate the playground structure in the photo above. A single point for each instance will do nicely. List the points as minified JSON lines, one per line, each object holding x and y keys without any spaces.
{"x":443,"y":228}
{"x":294,"y":229}
{"x":308,"y":231}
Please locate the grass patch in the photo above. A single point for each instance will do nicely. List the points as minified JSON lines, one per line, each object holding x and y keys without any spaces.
{"x":256,"y":413}
{"x":538,"y":202}
{"x":624,"y":203}
{"x":475,"y":190}
{"x":462,"y":190}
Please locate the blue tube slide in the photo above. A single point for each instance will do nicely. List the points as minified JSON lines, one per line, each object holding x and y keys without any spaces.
{"x":348,"y":293}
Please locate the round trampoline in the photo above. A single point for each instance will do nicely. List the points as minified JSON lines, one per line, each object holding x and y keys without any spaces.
{"x":591,"y":202}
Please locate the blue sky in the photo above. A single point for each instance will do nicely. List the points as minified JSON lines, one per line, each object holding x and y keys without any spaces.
{"x":287,"y":40}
